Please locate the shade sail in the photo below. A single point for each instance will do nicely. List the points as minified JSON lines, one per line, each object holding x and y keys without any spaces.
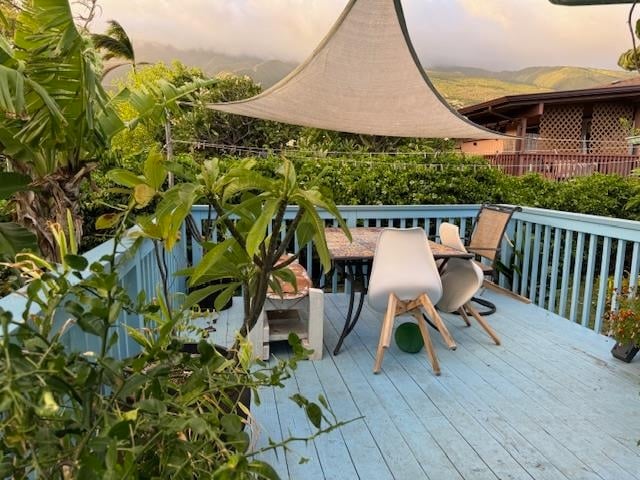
{"x":364,"y":77}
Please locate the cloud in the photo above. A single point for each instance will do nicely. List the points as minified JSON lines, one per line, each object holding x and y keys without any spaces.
{"x":492,"y":10}
{"x":510,"y":34}
{"x":486,"y":33}
{"x":284,"y":29}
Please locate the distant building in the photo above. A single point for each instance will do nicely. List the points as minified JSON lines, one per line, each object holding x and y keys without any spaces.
{"x":561,"y":134}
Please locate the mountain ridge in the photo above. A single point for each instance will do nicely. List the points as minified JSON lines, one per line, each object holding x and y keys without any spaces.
{"x":460,"y":85}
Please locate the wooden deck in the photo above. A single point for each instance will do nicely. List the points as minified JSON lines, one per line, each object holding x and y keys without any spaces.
{"x":550,"y":403}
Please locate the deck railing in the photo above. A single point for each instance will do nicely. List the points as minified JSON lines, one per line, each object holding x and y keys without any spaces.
{"x":564,"y":262}
{"x":570,"y":263}
{"x":563,"y":166}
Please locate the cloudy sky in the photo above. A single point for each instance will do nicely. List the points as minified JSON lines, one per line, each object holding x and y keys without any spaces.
{"x":497,"y":34}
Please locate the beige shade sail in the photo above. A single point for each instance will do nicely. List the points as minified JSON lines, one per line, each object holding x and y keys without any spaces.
{"x":364,"y":77}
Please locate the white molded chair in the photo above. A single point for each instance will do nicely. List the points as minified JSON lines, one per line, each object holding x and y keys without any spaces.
{"x":404,"y":279}
{"x":461,"y":279}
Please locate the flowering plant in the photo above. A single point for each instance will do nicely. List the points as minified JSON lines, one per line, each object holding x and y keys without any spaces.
{"x":623,"y":324}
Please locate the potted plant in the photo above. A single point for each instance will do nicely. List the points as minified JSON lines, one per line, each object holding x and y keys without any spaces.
{"x":623,"y":324}
{"x":251,"y":208}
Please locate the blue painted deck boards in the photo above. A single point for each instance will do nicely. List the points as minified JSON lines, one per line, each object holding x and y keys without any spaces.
{"x":550,"y":403}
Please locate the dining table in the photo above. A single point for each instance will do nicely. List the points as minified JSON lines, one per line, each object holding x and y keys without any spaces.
{"x":354,"y":258}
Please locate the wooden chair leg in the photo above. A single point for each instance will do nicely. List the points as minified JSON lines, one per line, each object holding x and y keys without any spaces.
{"x":435,"y":317}
{"x":428,"y":345}
{"x":464,"y":316}
{"x":386,"y":325}
{"x":393,"y":303}
{"x":483,"y":323}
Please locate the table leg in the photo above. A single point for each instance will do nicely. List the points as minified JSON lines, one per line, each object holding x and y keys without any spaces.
{"x":355,"y":275}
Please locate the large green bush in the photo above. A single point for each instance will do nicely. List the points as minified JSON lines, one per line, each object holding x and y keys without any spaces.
{"x":388,"y":180}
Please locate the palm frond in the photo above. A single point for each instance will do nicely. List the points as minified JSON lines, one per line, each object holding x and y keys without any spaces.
{"x":115,"y":42}
{"x":112,"y":47}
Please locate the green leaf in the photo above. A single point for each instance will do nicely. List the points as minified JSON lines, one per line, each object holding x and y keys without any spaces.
{"x":212,"y":257}
{"x":138,"y":337}
{"x":244,"y":180}
{"x":152,"y":405}
{"x":288,"y":171}
{"x":131,"y":386}
{"x":306,"y":230}
{"x":154,"y":171}
{"x":91,"y":324}
{"x":196,"y":296}
{"x":286,"y":276}
{"x":231,"y":423}
{"x":259,"y":229}
{"x":323,"y":401}
{"x":76,"y":262}
{"x":316,"y":198}
{"x":108,"y":220}
{"x":225,"y":295}
{"x":143,"y":194}
{"x":11,"y":182}
{"x":124,"y":178}
{"x":314,"y":413}
{"x":320,"y":240}
{"x":263,"y":470}
{"x":121,"y":430}
{"x":15,"y":238}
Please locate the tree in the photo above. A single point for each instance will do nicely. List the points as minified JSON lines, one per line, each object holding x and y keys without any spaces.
{"x":224,"y":132}
{"x":115,"y":44}
{"x":58,"y":119}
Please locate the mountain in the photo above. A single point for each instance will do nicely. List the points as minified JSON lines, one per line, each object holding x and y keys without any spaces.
{"x":555,"y":78}
{"x":264,"y":72}
{"x":459,"y":85}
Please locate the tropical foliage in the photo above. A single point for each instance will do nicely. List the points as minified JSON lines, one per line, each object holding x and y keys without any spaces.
{"x":14,"y":238}
{"x":159,"y":413}
{"x":58,"y":119}
{"x":249,"y":211}
{"x":57,"y":116}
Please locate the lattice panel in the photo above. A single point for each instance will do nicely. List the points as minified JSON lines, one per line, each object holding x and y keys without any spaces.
{"x":561,"y":127}
{"x":607,"y":133}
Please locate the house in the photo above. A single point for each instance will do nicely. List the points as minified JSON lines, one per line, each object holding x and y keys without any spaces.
{"x":561,"y":134}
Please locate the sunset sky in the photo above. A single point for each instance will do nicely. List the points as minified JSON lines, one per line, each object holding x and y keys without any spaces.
{"x":496,"y":34}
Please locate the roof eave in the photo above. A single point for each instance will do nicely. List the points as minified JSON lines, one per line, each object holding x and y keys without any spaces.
{"x":530,"y":98}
